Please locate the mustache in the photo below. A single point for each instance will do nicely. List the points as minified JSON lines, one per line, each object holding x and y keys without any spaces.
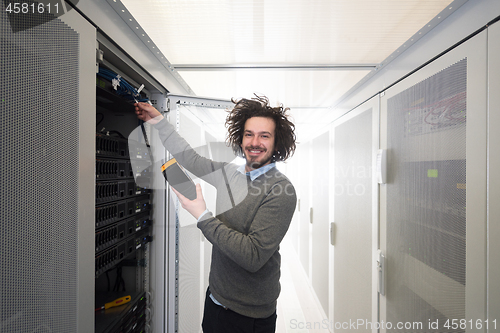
{"x":255,"y":148}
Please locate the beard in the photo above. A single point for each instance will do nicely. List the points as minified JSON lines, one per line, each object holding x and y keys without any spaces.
{"x":253,"y":162}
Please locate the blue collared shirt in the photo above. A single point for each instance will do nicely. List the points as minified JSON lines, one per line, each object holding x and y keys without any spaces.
{"x":257,"y":172}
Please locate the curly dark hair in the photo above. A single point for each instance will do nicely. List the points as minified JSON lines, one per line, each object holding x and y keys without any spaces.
{"x":244,"y":109}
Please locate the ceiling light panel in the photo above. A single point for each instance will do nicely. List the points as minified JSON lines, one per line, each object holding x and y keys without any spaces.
{"x":281,"y":31}
{"x":290,"y":87}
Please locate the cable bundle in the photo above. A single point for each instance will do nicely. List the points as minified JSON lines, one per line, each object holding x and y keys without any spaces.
{"x":122,"y":87}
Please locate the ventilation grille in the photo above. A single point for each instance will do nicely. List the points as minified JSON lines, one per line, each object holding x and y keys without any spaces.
{"x":39,"y":178}
{"x":426,"y":222}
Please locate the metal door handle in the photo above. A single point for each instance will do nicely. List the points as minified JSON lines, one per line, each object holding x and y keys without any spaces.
{"x":332,"y":233}
{"x":381,"y":273}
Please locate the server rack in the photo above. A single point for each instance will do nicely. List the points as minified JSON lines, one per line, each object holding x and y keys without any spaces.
{"x":124,"y":204}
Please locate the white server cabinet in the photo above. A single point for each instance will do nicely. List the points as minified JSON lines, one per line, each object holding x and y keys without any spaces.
{"x":433,"y":216}
{"x":48,"y":200}
{"x":47,"y":156}
{"x":354,"y":214}
{"x":434,"y":221}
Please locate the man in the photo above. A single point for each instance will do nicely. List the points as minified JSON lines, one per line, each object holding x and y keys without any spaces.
{"x":255,"y":204}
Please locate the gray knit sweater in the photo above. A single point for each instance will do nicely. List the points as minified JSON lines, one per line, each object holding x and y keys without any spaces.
{"x":251,"y":219}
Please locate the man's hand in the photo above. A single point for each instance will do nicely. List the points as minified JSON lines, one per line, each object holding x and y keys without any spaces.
{"x":195,"y":207}
{"x":148,"y":113}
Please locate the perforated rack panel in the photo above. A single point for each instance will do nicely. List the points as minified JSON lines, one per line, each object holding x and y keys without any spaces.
{"x":426,"y":223}
{"x":39,"y":78}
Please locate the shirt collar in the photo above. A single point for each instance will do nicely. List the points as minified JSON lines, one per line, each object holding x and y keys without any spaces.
{"x":257,"y":172}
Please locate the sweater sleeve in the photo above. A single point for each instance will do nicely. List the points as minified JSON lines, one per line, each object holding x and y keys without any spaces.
{"x":270,"y":224}
{"x":200,"y":166}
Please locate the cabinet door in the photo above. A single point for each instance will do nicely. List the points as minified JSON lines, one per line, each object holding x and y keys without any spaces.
{"x":319,"y":224}
{"x":355,"y":223}
{"x":433,"y":223}
{"x":47,"y":174}
{"x":494,"y":174}
{"x":305,"y":208}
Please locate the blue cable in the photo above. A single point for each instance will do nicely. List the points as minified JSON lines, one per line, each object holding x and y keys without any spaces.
{"x":123,"y":89}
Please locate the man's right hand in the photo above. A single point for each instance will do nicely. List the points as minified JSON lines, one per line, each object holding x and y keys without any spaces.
{"x":148,"y":113}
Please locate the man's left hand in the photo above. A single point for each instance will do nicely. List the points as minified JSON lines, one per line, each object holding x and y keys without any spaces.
{"x":195,"y":207}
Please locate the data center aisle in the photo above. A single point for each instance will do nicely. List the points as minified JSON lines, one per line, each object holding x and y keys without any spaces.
{"x":298,"y":308}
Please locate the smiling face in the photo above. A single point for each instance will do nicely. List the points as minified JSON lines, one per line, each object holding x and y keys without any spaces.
{"x":258,"y":142}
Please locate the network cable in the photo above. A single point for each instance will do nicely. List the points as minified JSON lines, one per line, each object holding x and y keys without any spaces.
{"x":122,"y":87}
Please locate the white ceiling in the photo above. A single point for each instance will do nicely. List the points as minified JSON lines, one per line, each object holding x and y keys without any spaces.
{"x":305,"y":54}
